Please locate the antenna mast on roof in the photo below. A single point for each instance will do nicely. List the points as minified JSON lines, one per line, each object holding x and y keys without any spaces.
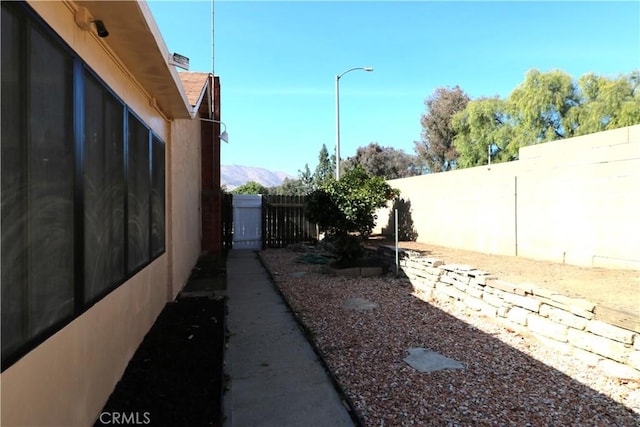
{"x":213,"y":39}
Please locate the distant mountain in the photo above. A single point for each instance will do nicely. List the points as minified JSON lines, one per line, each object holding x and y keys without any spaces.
{"x":235,"y":175}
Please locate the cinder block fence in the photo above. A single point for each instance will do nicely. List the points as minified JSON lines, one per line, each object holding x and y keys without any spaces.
{"x":567,"y":324}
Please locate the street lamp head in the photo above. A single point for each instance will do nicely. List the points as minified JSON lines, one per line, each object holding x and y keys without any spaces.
{"x":353,"y":69}
{"x":338,"y":114}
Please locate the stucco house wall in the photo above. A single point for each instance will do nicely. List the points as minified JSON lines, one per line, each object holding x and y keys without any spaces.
{"x":66,"y":379}
{"x":184,"y":195}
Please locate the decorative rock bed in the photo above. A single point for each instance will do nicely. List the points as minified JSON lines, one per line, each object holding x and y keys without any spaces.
{"x":509,"y":378}
{"x":567,"y":324}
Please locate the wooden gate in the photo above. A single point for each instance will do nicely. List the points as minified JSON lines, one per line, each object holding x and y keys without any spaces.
{"x":247,"y":221}
{"x":284,"y":222}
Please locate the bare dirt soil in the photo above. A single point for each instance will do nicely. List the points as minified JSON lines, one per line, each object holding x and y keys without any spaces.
{"x":176,"y":377}
{"x":611,"y":290}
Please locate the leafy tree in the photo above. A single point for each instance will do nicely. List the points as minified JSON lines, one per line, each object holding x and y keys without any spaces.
{"x":482,"y":124}
{"x":540,"y":106}
{"x":348,"y":205}
{"x":607,"y":103}
{"x":307,"y":181}
{"x":251,"y":187}
{"x":545,"y":107}
{"x":325,"y":170}
{"x":436,"y":147}
{"x":386,"y":162}
{"x":306,"y":178}
{"x":290,"y":187}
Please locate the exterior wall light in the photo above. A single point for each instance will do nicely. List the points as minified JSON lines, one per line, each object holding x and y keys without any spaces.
{"x":84,"y":20}
{"x":224,"y":136}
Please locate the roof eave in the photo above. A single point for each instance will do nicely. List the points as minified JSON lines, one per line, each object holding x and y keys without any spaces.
{"x":136,"y":40}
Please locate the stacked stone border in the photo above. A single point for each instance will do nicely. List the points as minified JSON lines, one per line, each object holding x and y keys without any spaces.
{"x":564,"y":323}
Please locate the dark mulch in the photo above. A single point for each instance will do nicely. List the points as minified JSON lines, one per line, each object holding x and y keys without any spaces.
{"x":175,"y":377}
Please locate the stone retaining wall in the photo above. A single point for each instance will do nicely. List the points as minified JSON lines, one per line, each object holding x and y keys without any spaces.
{"x":565,"y":323}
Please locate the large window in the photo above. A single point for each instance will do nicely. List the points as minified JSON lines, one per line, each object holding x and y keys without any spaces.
{"x":157,"y":196}
{"x":37,"y":181}
{"x":138,"y":194}
{"x":104,"y":189}
{"x":82,"y":185}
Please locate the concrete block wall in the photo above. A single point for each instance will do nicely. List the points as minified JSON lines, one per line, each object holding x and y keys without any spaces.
{"x":567,"y":324}
{"x":573,"y":201}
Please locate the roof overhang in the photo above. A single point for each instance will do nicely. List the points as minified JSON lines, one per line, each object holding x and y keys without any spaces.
{"x":135,"y":39}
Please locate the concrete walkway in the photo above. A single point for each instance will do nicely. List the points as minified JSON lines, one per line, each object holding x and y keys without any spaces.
{"x":276,"y":378}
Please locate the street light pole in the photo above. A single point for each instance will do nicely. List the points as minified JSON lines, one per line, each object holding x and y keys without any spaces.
{"x":338,"y":115}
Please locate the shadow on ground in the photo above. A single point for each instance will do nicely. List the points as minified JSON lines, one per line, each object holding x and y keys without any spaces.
{"x":500,"y":384}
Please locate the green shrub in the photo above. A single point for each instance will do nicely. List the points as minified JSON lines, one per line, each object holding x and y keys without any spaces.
{"x":345,"y":209}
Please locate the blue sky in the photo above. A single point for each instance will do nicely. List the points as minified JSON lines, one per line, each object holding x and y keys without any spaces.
{"x":277,"y":63}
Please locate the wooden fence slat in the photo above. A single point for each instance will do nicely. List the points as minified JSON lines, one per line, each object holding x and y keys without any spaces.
{"x":284,"y":221}
{"x":227,"y":220}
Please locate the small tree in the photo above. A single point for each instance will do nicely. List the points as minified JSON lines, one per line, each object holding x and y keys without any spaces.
{"x":345,"y":209}
{"x":325,"y":168}
{"x":251,"y":187}
{"x":306,"y":179}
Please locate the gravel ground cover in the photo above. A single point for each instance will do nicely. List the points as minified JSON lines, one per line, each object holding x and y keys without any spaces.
{"x":509,"y":378}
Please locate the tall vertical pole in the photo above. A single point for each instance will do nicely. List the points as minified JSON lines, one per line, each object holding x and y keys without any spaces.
{"x":338,"y":115}
{"x":395,"y":214}
{"x":337,"y":127}
{"x":213,"y":39}
{"x":515,"y":218}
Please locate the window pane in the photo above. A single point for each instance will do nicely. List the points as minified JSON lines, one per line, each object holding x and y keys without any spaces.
{"x":37,"y":181}
{"x":138,"y":186}
{"x":103,"y":189}
{"x":157,"y":198}
{"x":13,"y":191}
{"x":50,"y":183}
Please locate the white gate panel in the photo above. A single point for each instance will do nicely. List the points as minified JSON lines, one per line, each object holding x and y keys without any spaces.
{"x":247,"y":221}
